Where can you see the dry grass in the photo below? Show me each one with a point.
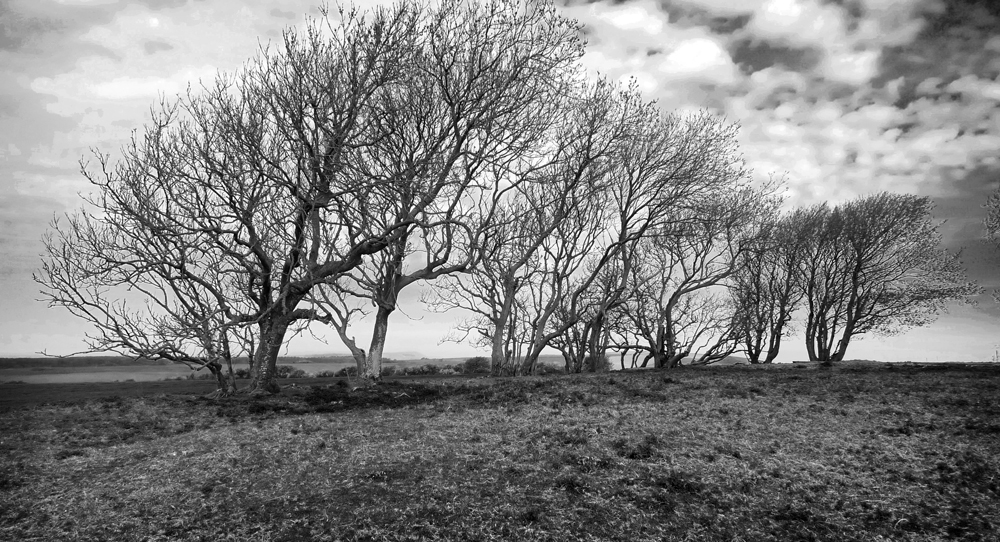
(863, 453)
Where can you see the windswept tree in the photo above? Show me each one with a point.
(875, 265)
(662, 167)
(674, 307)
(542, 228)
(766, 288)
(354, 136)
(97, 265)
(484, 91)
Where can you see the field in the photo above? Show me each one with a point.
(872, 452)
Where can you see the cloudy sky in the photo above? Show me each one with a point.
(844, 97)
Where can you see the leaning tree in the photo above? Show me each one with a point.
(674, 307)
(874, 264)
(482, 102)
(766, 288)
(244, 197)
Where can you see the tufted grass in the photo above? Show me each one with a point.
(854, 453)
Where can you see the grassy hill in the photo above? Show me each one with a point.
(853, 453)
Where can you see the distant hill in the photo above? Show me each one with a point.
(399, 359)
(77, 361)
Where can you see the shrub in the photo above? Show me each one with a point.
(543, 369)
(298, 373)
(347, 371)
(476, 365)
(325, 374)
(242, 373)
(389, 370)
(601, 366)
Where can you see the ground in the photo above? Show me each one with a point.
(874, 452)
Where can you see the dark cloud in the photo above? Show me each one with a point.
(40, 40)
(964, 15)
(30, 26)
(17, 29)
(153, 47)
(752, 54)
(686, 15)
(963, 213)
(727, 25)
(954, 42)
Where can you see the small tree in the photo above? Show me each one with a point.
(674, 308)
(540, 230)
(766, 287)
(875, 264)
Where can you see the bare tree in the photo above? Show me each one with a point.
(875, 264)
(298, 169)
(97, 264)
(553, 198)
(657, 169)
(641, 168)
(483, 94)
(674, 308)
(766, 287)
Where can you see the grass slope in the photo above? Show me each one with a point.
(862, 453)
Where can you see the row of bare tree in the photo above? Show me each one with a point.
(464, 143)
(726, 275)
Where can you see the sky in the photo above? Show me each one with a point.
(842, 97)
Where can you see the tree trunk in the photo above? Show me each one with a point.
(497, 356)
(597, 343)
(771, 355)
(527, 367)
(811, 337)
(774, 345)
(373, 365)
(272, 337)
(225, 384)
(838, 355)
(674, 360)
(845, 340)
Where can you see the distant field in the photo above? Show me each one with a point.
(856, 453)
(54, 371)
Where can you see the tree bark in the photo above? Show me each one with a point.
(498, 357)
(272, 337)
(373, 365)
(225, 384)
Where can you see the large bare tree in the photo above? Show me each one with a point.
(352, 137)
(875, 264)
(483, 96)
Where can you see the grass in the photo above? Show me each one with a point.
(864, 453)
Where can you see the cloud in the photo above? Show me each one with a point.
(155, 46)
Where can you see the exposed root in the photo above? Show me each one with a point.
(219, 394)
